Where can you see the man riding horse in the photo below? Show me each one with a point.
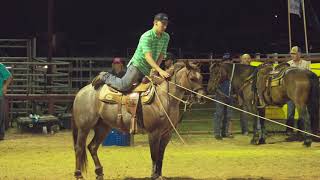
(98, 107)
(151, 50)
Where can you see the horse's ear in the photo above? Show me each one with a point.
(214, 64)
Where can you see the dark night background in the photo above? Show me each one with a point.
(108, 28)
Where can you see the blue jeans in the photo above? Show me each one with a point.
(290, 121)
(2, 119)
(133, 75)
(221, 119)
(244, 121)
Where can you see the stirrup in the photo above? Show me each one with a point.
(261, 107)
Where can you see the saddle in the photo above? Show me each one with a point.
(141, 94)
(274, 79)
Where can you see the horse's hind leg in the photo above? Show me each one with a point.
(100, 132)
(304, 115)
(80, 151)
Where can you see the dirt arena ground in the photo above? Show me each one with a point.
(41, 157)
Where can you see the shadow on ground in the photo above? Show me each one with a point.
(190, 178)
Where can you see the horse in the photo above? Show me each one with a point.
(300, 86)
(91, 113)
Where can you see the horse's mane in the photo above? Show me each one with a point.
(178, 65)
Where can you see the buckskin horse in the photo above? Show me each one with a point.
(300, 86)
(89, 112)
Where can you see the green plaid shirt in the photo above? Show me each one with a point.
(149, 42)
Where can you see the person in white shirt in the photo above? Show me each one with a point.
(298, 62)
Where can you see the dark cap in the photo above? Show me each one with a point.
(161, 17)
(117, 60)
(226, 56)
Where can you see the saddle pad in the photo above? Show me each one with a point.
(115, 97)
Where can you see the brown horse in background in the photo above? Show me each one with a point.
(300, 86)
(91, 113)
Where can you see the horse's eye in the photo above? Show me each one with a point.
(193, 79)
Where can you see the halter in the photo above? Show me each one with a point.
(197, 88)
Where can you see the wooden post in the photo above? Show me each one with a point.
(50, 45)
(289, 25)
(305, 27)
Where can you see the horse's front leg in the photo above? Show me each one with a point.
(154, 143)
(263, 136)
(162, 147)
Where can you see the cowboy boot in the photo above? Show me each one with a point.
(99, 80)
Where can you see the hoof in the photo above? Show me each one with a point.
(307, 143)
(160, 178)
(99, 173)
(156, 177)
(78, 175)
(254, 141)
(99, 177)
(262, 141)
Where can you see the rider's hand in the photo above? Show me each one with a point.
(164, 74)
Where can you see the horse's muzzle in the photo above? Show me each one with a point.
(200, 97)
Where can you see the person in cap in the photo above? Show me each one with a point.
(245, 59)
(5, 80)
(222, 115)
(296, 61)
(152, 48)
(118, 68)
(226, 58)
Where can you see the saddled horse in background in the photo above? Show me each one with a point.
(300, 86)
(91, 113)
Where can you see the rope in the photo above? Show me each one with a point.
(169, 119)
(246, 111)
(207, 97)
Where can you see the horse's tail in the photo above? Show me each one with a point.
(313, 103)
(83, 157)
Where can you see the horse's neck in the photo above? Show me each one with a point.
(169, 87)
(240, 74)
